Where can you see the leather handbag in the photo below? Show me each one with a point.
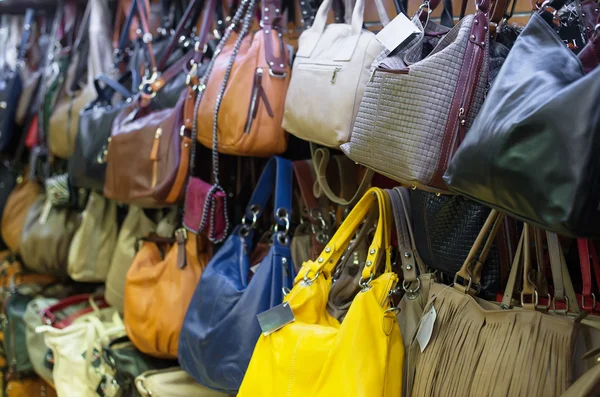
(87, 166)
(33, 387)
(153, 313)
(554, 104)
(418, 106)
(36, 347)
(137, 225)
(90, 56)
(126, 363)
(72, 309)
(220, 327)
(147, 157)
(15, 211)
(11, 86)
(239, 109)
(331, 67)
(77, 349)
(46, 237)
(482, 337)
(93, 244)
(445, 228)
(311, 355)
(171, 382)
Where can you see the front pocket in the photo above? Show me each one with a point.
(322, 67)
(258, 93)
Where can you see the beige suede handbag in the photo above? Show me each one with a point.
(94, 241)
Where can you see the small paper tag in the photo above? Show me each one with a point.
(275, 318)
(399, 30)
(426, 328)
(254, 268)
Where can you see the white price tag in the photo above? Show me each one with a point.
(399, 30)
(426, 328)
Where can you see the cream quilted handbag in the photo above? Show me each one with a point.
(331, 68)
(417, 109)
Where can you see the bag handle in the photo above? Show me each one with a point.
(112, 86)
(563, 286)
(276, 179)
(124, 36)
(321, 227)
(336, 247)
(321, 158)
(48, 317)
(408, 254)
(588, 256)
(29, 15)
(472, 266)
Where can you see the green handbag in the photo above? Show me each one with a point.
(126, 362)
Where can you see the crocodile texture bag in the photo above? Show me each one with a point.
(416, 110)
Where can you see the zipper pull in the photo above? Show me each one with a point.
(154, 151)
(372, 75)
(181, 237)
(335, 72)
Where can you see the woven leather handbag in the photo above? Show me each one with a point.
(311, 355)
(445, 228)
(240, 106)
(417, 109)
(499, 168)
(220, 327)
(331, 67)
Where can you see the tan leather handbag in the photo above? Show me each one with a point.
(172, 382)
(17, 206)
(47, 236)
(95, 33)
(94, 241)
(245, 88)
(34, 387)
(158, 290)
(137, 224)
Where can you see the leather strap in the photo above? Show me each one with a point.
(276, 179)
(512, 278)
(555, 265)
(180, 238)
(586, 268)
(124, 37)
(271, 19)
(472, 266)
(146, 33)
(541, 281)
(498, 10)
(48, 315)
(111, 87)
(400, 199)
(304, 172)
(29, 15)
(320, 157)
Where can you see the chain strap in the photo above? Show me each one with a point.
(245, 10)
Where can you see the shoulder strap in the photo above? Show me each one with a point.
(29, 15)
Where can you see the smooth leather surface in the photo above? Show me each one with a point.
(266, 137)
(14, 333)
(142, 167)
(36, 347)
(158, 292)
(332, 68)
(8, 181)
(220, 327)
(314, 354)
(172, 382)
(45, 246)
(127, 363)
(94, 242)
(135, 226)
(198, 214)
(534, 110)
(21, 198)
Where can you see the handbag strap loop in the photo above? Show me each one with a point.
(276, 178)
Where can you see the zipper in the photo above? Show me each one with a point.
(335, 72)
(258, 93)
(334, 69)
(154, 155)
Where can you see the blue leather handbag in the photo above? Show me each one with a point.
(220, 327)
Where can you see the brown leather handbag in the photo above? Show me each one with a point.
(148, 156)
(159, 289)
(246, 88)
(17, 206)
(34, 387)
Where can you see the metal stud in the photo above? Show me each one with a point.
(281, 65)
(283, 261)
(485, 28)
(372, 251)
(483, 43)
(472, 37)
(408, 267)
(407, 254)
(328, 250)
(271, 63)
(369, 263)
(320, 260)
(477, 22)
(463, 122)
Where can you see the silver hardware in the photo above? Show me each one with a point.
(407, 254)
(408, 267)
(308, 281)
(366, 285)
(283, 261)
(335, 72)
(327, 250)
(372, 251)
(320, 260)
(369, 263)
(472, 37)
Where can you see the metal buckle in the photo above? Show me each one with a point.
(535, 299)
(593, 302)
(308, 281)
(277, 76)
(365, 285)
(469, 285)
(563, 311)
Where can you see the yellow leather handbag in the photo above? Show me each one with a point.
(315, 355)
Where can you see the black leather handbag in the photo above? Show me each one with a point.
(87, 165)
(11, 87)
(533, 149)
(445, 229)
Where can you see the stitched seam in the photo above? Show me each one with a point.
(290, 382)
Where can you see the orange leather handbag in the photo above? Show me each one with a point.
(34, 387)
(158, 290)
(246, 89)
(17, 206)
